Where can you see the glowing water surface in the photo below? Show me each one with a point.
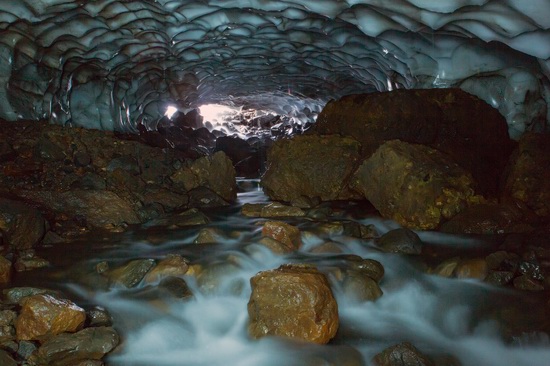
(442, 317)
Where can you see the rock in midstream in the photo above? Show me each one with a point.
(293, 301)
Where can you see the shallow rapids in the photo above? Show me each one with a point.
(448, 319)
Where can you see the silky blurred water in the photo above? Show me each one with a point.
(442, 317)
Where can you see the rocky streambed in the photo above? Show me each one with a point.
(386, 248)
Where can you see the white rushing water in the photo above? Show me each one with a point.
(439, 316)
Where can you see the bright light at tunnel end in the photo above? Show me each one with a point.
(170, 111)
(212, 112)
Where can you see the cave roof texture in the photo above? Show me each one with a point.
(111, 64)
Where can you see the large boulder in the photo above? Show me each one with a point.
(293, 301)
(311, 166)
(21, 225)
(450, 120)
(528, 175)
(215, 172)
(417, 186)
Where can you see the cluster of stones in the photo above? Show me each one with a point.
(42, 327)
(57, 183)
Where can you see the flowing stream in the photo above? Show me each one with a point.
(465, 320)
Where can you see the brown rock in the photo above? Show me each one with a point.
(402, 354)
(414, 185)
(5, 271)
(400, 240)
(311, 166)
(215, 172)
(6, 359)
(99, 208)
(72, 349)
(488, 218)
(447, 268)
(172, 265)
(528, 176)
(43, 316)
(275, 246)
(358, 286)
(22, 225)
(472, 268)
(287, 234)
(131, 274)
(461, 125)
(293, 301)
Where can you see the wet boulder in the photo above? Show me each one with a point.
(71, 349)
(401, 240)
(22, 226)
(528, 175)
(214, 172)
(284, 233)
(311, 166)
(293, 301)
(172, 265)
(43, 316)
(452, 121)
(417, 186)
(131, 274)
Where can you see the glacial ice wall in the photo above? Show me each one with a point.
(112, 64)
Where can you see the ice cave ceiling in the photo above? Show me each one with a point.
(115, 63)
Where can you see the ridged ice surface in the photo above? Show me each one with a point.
(114, 63)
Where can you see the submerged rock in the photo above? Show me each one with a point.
(402, 240)
(70, 349)
(293, 301)
(415, 185)
(402, 354)
(131, 274)
(311, 166)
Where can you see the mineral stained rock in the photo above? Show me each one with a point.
(293, 301)
(449, 120)
(311, 166)
(415, 185)
(43, 316)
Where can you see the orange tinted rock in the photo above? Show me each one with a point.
(293, 301)
(172, 265)
(311, 166)
(287, 234)
(5, 271)
(43, 316)
(472, 268)
(415, 185)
